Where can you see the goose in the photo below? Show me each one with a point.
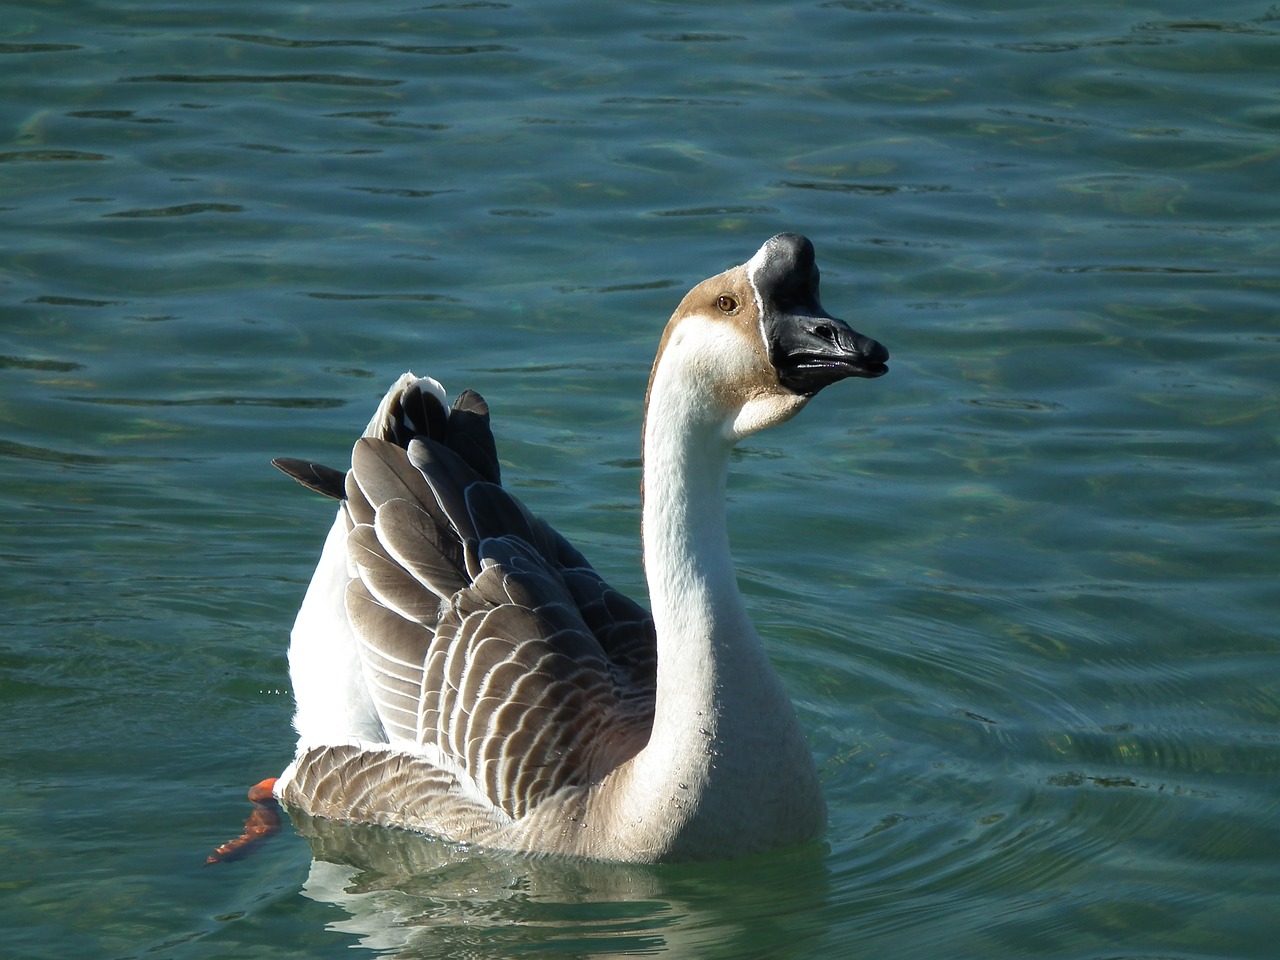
(460, 670)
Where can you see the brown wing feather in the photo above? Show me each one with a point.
(483, 634)
(387, 787)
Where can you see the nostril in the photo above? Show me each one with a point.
(826, 332)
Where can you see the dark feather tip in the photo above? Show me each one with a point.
(314, 476)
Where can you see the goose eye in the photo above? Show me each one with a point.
(727, 304)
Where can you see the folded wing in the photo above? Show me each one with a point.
(491, 649)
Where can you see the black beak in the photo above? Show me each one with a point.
(814, 350)
(809, 348)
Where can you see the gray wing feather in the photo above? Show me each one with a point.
(410, 535)
(389, 788)
(313, 476)
(467, 433)
(393, 665)
(484, 636)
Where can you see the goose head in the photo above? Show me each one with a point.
(747, 349)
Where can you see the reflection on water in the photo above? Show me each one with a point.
(410, 896)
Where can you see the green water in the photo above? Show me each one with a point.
(1023, 589)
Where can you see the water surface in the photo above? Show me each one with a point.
(1023, 589)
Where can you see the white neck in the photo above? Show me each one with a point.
(726, 760)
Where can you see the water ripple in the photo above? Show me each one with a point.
(444, 50)
(323, 79)
(284, 403)
(870, 189)
(178, 210)
(723, 211)
(125, 116)
(31, 363)
(7, 48)
(51, 156)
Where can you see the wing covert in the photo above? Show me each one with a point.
(486, 640)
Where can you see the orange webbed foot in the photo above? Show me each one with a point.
(262, 822)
